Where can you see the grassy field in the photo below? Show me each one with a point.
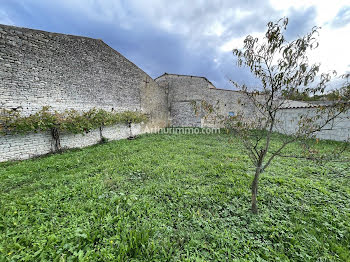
(170, 198)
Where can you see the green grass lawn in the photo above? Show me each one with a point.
(170, 198)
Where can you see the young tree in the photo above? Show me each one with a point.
(282, 68)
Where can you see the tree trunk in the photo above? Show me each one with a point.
(100, 129)
(56, 139)
(130, 131)
(255, 190)
(101, 136)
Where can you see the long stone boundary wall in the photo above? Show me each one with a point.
(39, 69)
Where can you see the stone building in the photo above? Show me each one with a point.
(184, 90)
(39, 69)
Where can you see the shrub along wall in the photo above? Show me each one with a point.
(19, 147)
(51, 131)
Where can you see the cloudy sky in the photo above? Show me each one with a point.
(192, 37)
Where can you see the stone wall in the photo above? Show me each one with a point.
(69, 72)
(338, 130)
(19, 147)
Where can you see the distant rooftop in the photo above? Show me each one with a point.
(206, 79)
(166, 74)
